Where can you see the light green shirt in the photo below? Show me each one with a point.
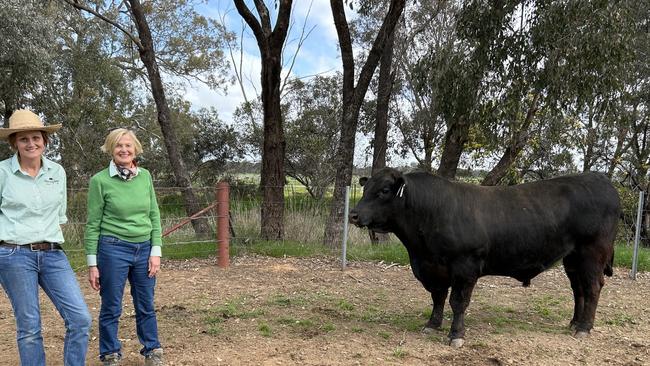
(32, 209)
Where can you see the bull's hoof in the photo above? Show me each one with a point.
(581, 334)
(428, 330)
(456, 342)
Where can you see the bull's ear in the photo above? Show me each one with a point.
(363, 181)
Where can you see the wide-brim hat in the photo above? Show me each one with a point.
(26, 120)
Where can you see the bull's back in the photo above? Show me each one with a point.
(522, 230)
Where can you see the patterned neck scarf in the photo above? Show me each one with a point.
(127, 173)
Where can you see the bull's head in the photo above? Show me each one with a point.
(378, 205)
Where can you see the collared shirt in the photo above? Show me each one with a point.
(112, 170)
(32, 209)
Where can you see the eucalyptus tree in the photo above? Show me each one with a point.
(353, 97)
(375, 113)
(270, 41)
(589, 78)
(205, 140)
(170, 37)
(312, 126)
(480, 27)
(27, 44)
(86, 92)
(215, 144)
(423, 54)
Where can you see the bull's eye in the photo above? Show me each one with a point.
(385, 190)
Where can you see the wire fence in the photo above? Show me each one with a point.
(303, 218)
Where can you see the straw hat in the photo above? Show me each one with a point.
(25, 120)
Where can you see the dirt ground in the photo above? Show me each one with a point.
(270, 311)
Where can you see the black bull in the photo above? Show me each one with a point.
(456, 233)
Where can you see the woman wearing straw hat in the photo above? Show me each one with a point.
(32, 210)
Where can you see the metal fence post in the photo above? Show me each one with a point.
(345, 227)
(223, 224)
(637, 236)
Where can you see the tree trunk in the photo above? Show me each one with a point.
(270, 43)
(455, 139)
(618, 152)
(385, 88)
(272, 179)
(148, 57)
(520, 139)
(461, 119)
(352, 100)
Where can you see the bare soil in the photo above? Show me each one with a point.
(270, 311)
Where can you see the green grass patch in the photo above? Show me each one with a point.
(549, 307)
(408, 321)
(399, 353)
(235, 309)
(384, 335)
(287, 301)
(265, 329)
(213, 324)
(329, 327)
(619, 320)
(280, 249)
(391, 252)
(345, 305)
(623, 257)
(544, 316)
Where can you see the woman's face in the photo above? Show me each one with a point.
(124, 151)
(30, 144)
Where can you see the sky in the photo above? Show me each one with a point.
(318, 54)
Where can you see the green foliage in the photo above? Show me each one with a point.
(27, 49)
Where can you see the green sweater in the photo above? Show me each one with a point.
(124, 209)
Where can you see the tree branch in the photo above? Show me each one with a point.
(76, 4)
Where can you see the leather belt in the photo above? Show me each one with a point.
(34, 247)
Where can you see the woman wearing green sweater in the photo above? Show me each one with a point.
(123, 240)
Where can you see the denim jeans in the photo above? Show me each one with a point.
(21, 273)
(117, 261)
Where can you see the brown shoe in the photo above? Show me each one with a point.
(155, 358)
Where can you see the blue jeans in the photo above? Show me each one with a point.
(21, 272)
(118, 260)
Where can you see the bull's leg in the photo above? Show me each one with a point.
(438, 295)
(460, 296)
(578, 297)
(586, 273)
(592, 281)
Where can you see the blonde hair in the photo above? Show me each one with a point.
(115, 136)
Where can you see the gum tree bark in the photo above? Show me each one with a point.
(353, 97)
(270, 42)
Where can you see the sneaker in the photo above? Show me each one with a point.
(111, 360)
(155, 358)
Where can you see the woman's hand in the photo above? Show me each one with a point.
(154, 266)
(93, 277)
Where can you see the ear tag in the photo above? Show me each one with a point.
(400, 191)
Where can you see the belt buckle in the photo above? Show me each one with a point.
(33, 245)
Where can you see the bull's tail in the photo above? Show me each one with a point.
(609, 267)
